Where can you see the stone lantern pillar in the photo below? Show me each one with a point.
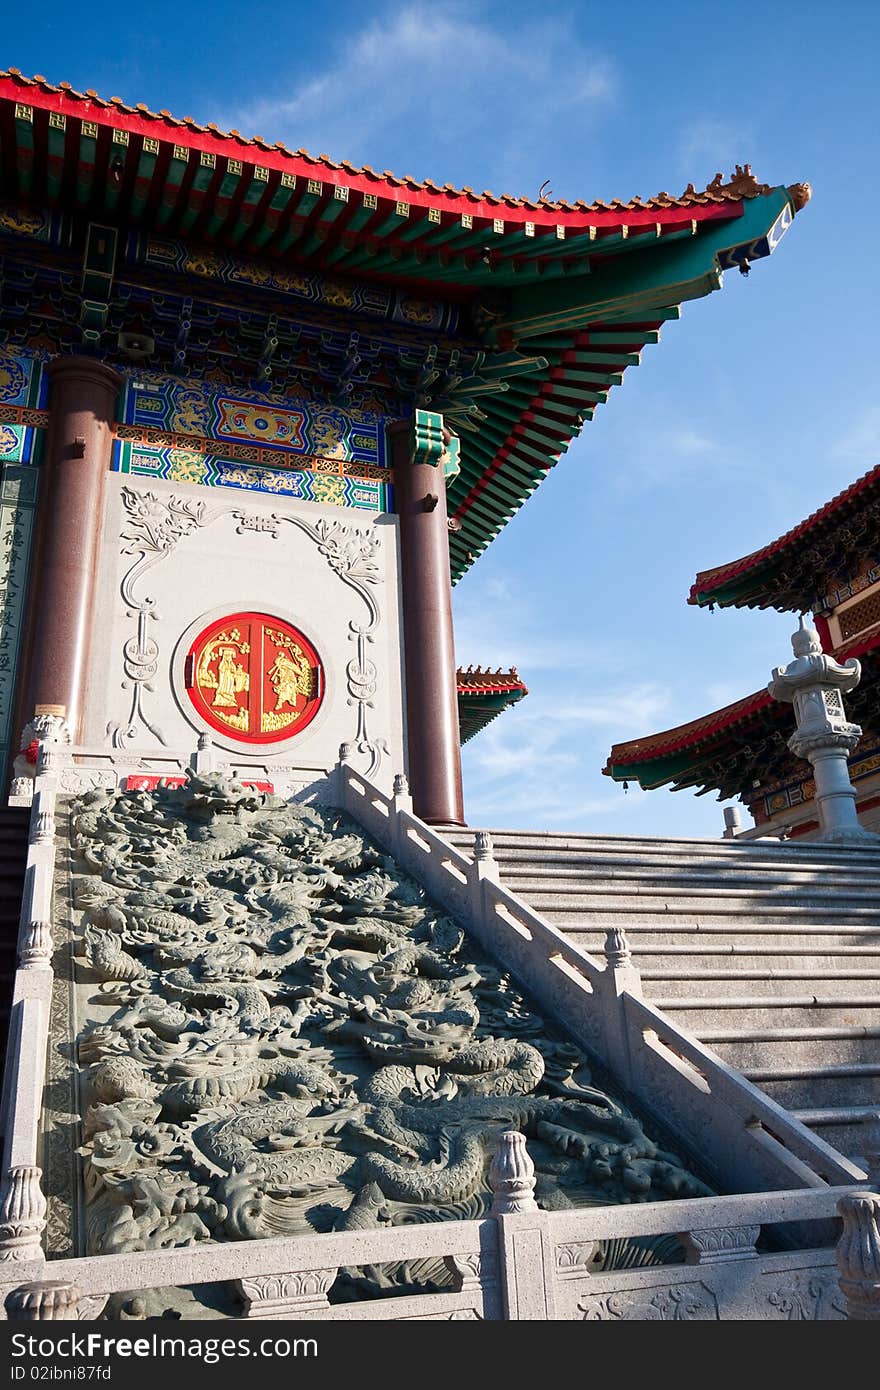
(814, 684)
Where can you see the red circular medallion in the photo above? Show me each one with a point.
(255, 677)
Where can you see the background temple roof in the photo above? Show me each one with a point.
(743, 744)
(792, 571)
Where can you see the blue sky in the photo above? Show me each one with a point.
(755, 408)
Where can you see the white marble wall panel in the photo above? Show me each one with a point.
(176, 556)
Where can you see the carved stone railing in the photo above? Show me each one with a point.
(84, 767)
(750, 1140)
(22, 1203)
(517, 1264)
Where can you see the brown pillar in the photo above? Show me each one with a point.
(429, 652)
(62, 594)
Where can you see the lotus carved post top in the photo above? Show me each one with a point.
(286, 1036)
(814, 683)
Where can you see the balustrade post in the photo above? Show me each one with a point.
(858, 1255)
(43, 1302)
(620, 977)
(484, 868)
(524, 1243)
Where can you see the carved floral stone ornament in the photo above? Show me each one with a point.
(281, 1034)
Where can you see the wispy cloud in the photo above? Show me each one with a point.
(444, 68)
(538, 764)
(497, 623)
(861, 441)
(662, 454)
(710, 145)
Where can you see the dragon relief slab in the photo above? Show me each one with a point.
(278, 1033)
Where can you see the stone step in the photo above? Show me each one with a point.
(752, 955)
(696, 935)
(843, 1127)
(678, 987)
(702, 906)
(713, 881)
(744, 1013)
(762, 1048)
(745, 963)
(538, 861)
(768, 952)
(542, 849)
(653, 843)
(591, 867)
(857, 1083)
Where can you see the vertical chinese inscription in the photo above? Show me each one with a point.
(17, 500)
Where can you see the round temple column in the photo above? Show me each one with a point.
(429, 651)
(82, 401)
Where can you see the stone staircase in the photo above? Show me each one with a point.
(768, 952)
(14, 822)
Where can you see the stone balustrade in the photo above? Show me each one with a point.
(749, 1139)
(519, 1264)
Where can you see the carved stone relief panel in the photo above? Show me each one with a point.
(277, 1032)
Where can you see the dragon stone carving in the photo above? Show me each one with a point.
(285, 1035)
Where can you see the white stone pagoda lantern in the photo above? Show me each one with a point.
(814, 683)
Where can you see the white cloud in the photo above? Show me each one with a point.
(444, 68)
(710, 145)
(861, 442)
(662, 454)
(538, 763)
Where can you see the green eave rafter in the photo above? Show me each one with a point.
(589, 328)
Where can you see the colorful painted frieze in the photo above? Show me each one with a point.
(286, 427)
(210, 470)
(306, 286)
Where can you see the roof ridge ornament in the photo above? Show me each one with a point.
(741, 184)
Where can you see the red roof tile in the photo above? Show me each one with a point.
(140, 119)
(476, 681)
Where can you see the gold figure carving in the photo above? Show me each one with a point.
(290, 676)
(231, 678)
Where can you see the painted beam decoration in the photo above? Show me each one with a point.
(185, 431)
(306, 287)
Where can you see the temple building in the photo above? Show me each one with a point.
(287, 1038)
(195, 324)
(827, 565)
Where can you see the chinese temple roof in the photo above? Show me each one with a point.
(791, 572)
(483, 695)
(547, 303)
(740, 746)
